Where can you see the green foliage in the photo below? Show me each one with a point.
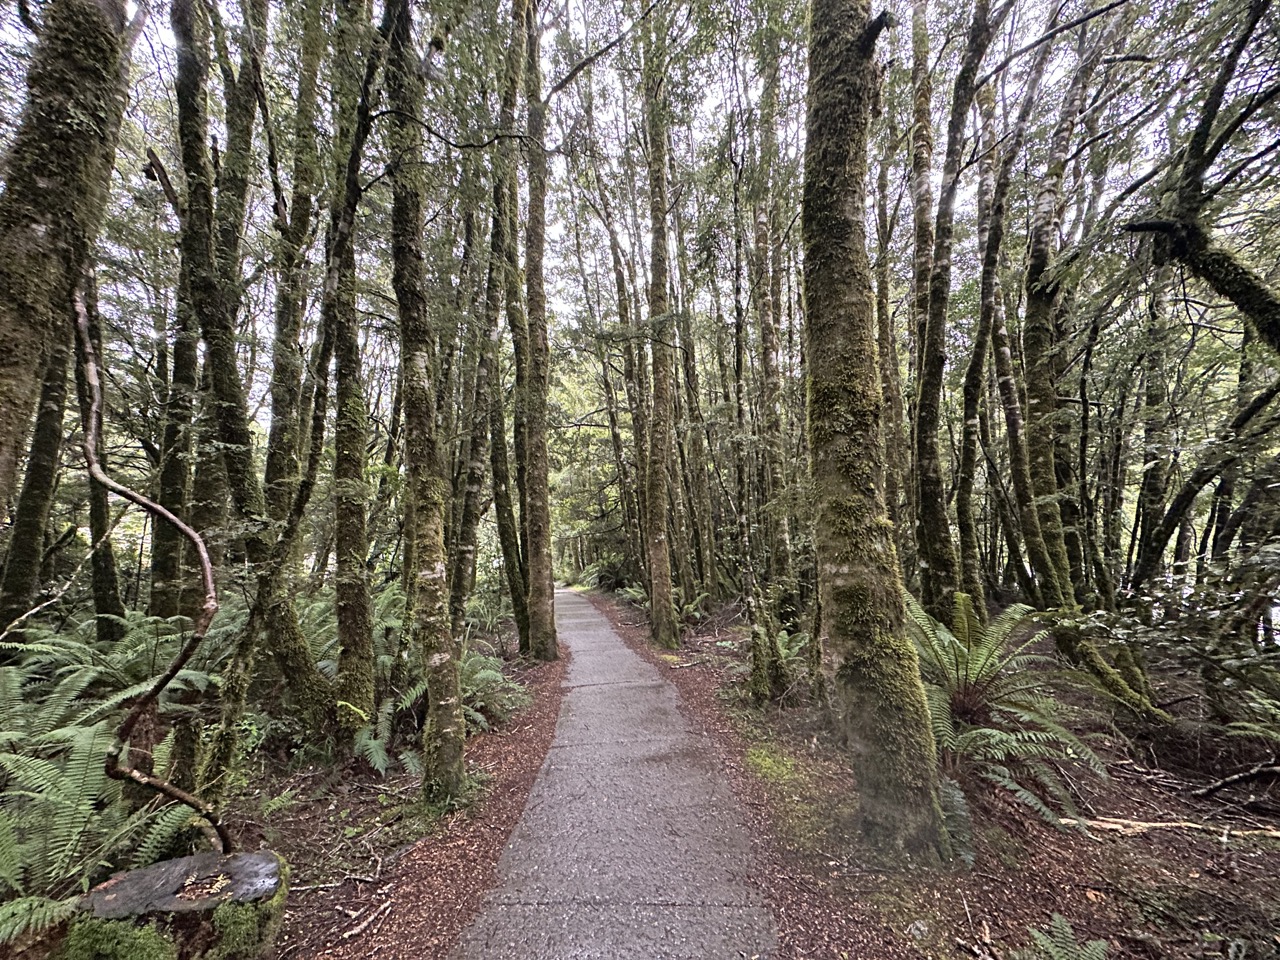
(238, 931)
(488, 607)
(94, 939)
(489, 696)
(770, 763)
(688, 613)
(607, 575)
(993, 718)
(1059, 943)
(635, 595)
(64, 824)
(792, 647)
(32, 915)
(958, 819)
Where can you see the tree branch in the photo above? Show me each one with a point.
(117, 767)
(1045, 38)
(591, 58)
(157, 170)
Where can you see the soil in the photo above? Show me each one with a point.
(364, 887)
(363, 884)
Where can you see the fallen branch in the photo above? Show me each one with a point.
(332, 884)
(1135, 828)
(1268, 768)
(364, 924)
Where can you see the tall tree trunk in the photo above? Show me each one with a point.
(107, 605)
(505, 516)
(975, 372)
(285, 441)
(1038, 336)
(167, 542)
(662, 614)
(859, 582)
(786, 606)
(443, 771)
(933, 528)
(897, 455)
(20, 583)
(354, 689)
(57, 173)
(537, 515)
(998, 166)
(487, 379)
(1155, 412)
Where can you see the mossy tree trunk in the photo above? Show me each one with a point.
(997, 177)
(480, 452)
(354, 691)
(57, 173)
(284, 444)
(20, 584)
(1184, 236)
(897, 456)
(1155, 412)
(662, 614)
(767, 244)
(939, 576)
(537, 517)
(444, 730)
(1039, 335)
(859, 581)
(971, 578)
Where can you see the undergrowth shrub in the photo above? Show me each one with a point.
(64, 824)
(994, 718)
(489, 696)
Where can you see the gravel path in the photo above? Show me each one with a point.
(631, 844)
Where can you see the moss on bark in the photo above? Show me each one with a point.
(859, 580)
(57, 174)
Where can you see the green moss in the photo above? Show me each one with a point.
(771, 764)
(246, 931)
(94, 939)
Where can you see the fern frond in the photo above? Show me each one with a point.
(10, 856)
(30, 915)
(1001, 777)
(372, 749)
(160, 830)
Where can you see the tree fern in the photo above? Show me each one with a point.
(993, 720)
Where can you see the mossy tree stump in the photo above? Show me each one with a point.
(214, 906)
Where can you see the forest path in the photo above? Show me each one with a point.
(631, 844)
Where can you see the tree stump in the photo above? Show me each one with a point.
(213, 906)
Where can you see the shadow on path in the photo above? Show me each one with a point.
(631, 844)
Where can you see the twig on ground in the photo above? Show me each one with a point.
(364, 925)
(1268, 768)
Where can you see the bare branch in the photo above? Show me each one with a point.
(1045, 38)
(117, 767)
(157, 170)
(591, 58)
